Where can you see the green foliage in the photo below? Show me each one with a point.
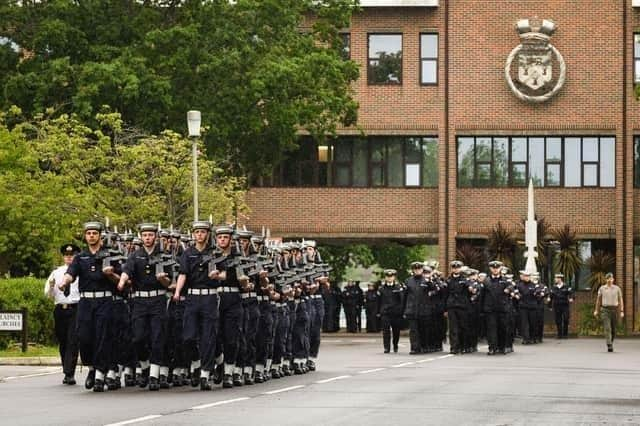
(387, 70)
(341, 257)
(501, 245)
(56, 173)
(399, 257)
(18, 293)
(599, 264)
(567, 259)
(588, 325)
(259, 70)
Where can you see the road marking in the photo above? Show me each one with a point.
(371, 371)
(32, 375)
(425, 360)
(282, 390)
(445, 356)
(215, 404)
(138, 420)
(332, 379)
(404, 364)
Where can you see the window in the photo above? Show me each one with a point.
(488, 161)
(636, 162)
(385, 59)
(345, 50)
(379, 161)
(636, 57)
(429, 59)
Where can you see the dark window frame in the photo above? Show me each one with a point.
(560, 163)
(369, 59)
(436, 60)
(636, 58)
(347, 35)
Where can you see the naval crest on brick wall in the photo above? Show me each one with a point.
(539, 70)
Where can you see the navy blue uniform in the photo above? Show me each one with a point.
(201, 308)
(149, 313)
(390, 305)
(95, 309)
(560, 296)
(458, 305)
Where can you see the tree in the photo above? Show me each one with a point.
(501, 245)
(259, 70)
(56, 173)
(567, 259)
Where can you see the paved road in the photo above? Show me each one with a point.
(558, 382)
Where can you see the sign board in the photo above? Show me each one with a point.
(15, 321)
(10, 321)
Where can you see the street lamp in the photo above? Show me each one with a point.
(193, 123)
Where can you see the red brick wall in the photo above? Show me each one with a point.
(589, 211)
(344, 211)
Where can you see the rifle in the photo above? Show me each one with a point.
(111, 254)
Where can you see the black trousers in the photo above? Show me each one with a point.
(300, 341)
(527, 324)
(230, 323)
(562, 320)
(391, 325)
(327, 323)
(200, 324)
(373, 321)
(458, 328)
(539, 324)
(280, 338)
(264, 336)
(419, 333)
(315, 327)
(289, 340)
(350, 315)
(94, 332)
(65, 329)
(175, 355)
(496, 330)
(122, 335)
(250, 318)
(149, 319)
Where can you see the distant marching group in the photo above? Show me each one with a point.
(471, 304)
(163, 309)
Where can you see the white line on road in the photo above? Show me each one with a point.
(445, 356)
(214, 404)
(283, 390)
(32, 375)
(404, 364)
(425, 360)
(332, 379)
(138, 420)
(371, 371)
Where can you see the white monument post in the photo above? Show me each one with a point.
(531, 233)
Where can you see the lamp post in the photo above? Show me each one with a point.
(193, 123)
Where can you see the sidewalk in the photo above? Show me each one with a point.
(35, 360)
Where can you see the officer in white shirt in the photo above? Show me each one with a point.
(64, 313)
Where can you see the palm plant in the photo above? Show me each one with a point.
(567, 259)
(471, 256)
(599, 263)
(501, 245)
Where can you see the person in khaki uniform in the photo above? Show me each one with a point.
(610, 300)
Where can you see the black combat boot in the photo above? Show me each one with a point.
(204, 384)
(98, 386)
(111, 384)
(237, 380)
(129, 381)
(143, 378)
(259, 377)
(195, 378)
(297, 369)
(154, 385)
(90, 380)
(227, 381)
(218, 373)
(164, 384)
(311, 365)
(286, 370)
(176, 380)
(248, 380)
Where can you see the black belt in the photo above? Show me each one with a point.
(610, 307)
(66, 305)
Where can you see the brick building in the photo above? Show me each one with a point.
(444, 148)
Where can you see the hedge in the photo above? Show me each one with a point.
(18, 293)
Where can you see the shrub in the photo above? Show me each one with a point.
(18, 293)
(588, 325)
